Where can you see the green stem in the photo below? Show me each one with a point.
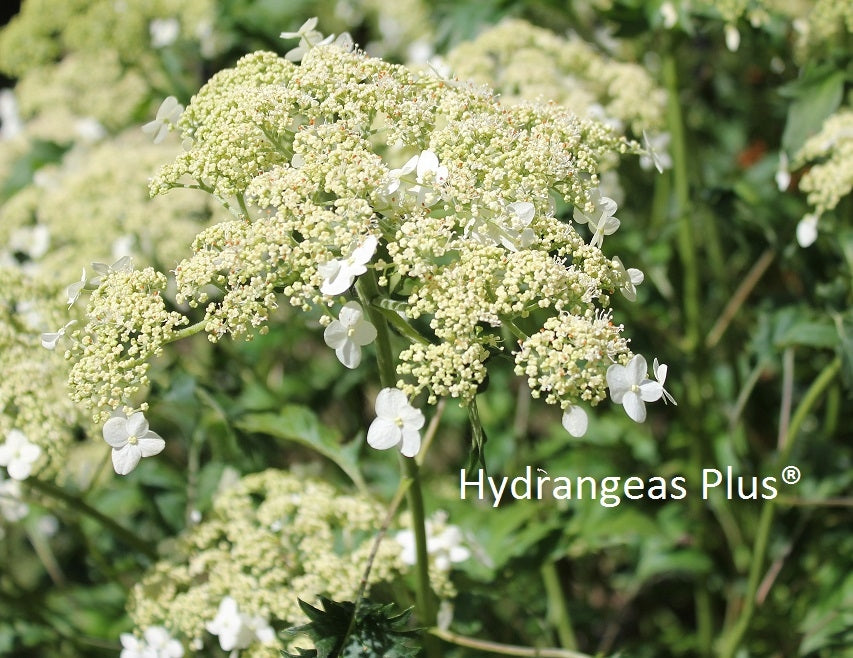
(186, 332)
(558, 611)
(686, 243)
(367, 289)
(504, 649)
(765, 521)
(79, 505)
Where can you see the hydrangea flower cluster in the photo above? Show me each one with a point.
(271, 538)
(525, 62)
(435, 194)
(831, 175)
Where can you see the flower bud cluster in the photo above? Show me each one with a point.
(831, 153)
(270, 539)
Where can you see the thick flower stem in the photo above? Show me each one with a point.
(765, 522)
(368, 290)
(78, 505)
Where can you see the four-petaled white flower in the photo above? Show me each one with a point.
(397, 422)
(131, 440)
(237, 630)
(156, 642)
(807, 230)
(601, 220)
(164, 32)
(628, 279)
(168, 113)
(18, 455)
(630, 387)
(308, 39)
(339, 274)
(50, 339)
(73, 291)
(446, 547)
(575, 421)
(349, 333)
(428, 175)
(659, 370)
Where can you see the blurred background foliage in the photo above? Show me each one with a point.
(757, 331)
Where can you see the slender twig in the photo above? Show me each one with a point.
(558, 611)
(787, 396)
(739, 297)
(504, 649)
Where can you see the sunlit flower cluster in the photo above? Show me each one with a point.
(270, 538)
(349, 175)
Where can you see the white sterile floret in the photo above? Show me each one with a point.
(397, 422)
(73, 291)
(732, 37)
(237, 630)
(339, 274)
(131, 440)
(349, 333)
(656, 152)
(428, 175)
(807, 230)
(575, 420)
(601, 221)
(308, 39)
(156, 642)
(164, 32)
(18, 455)
(445, 543)
(628, 279)
(630, 387)
(123, 264)
(50, 339)
(660, 370)
(169, 112)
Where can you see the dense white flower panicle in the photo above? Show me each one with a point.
(627, 279)
(131, 440)
(156, 642)
(396, 423)
(349, 333)
(168, 114)
(601, 220)
(339, 274)
(575, 420)
(630, 387)
(237, 630)
(445, 543)
(18, 455)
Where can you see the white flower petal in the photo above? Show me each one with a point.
(383, 434)
(389, 401)
(349, 354)
(335, 335)
(125, 459)
(575, 420)
(364, 333)
(411, 442)
(150, 446)
(136, 424)
(634, 407)
(115, 431)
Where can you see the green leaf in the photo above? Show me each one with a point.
(817, 333)
(816, 95)
(301, 425)
(477, 456)
(376, 633)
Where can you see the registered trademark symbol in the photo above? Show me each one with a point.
(791, 475)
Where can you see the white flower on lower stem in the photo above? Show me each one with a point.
(630, 387)
(445, 543)
(349, 333)
(168, 113)
(339, 274)
(237, 630)
(131, 440)
(575, 420)
(397, 422)
(807, 230)
(601, 221)
(156, 642)
(18, 455)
